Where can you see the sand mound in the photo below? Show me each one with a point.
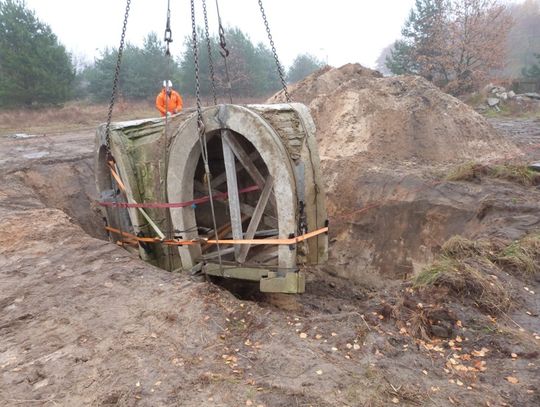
(360, 113)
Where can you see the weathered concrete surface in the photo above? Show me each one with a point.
(159, 162)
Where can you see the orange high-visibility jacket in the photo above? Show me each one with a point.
(174, 104)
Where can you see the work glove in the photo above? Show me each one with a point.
(169, 114)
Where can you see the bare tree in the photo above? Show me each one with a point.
(476, 42)
(453, 43)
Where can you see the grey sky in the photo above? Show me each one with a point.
(340, 31)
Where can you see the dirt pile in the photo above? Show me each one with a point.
(360, 113)
(387, 146)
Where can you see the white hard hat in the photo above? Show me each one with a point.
(167, 84)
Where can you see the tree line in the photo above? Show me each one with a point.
(459, 44)
(37, 70)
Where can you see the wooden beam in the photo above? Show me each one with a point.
(214, 254)
(245, 208)
(222, 178)
(256, 218)
(232, 189)
(248, 164)
(265, 255)
(269, 221)
(222, 232)
(243, 157)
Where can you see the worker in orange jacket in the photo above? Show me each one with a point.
(169, 101)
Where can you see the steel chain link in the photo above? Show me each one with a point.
(224, 52)
(116, 77)
(209, 47)
(168, 32)
(201, 129)
(200, 124)
(278, 65)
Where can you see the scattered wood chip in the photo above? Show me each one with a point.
(395, 400)
(512, 379)
(319, 372)
(303, 335)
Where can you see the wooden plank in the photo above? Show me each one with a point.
(243, 157)
(222, 178)
(256, 218)
(248, 164)
(245, 208)
(222, 252)
(232, 188)
(269, 221)
(265, 255)
(222, 232)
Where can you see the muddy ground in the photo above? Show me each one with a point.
(83, 322)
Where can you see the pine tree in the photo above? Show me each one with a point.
(302, 66)
(35, 69)
(142, 71)
(416, 52)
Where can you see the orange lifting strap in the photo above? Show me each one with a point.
(173, 242)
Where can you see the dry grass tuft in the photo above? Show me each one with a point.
(467, 172)
(470, 278)
(522, 256)
(460, 247)
(520, 174)
(471, 171)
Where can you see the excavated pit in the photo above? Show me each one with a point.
(83, 322)
(69, 187)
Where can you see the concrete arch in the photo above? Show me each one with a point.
(184, 154)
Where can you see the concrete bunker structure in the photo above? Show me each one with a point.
(265, 182)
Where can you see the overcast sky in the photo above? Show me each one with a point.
(339, 31)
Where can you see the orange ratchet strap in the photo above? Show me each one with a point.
(290, 241)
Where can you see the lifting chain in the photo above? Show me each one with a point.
(209, 47)
(224, 52)
(278, 65)
(201, 128)
(116, 77)
(168, 39)
(168, 33)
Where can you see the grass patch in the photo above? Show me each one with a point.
(471, 171)
(469, 278)
(468, 269)
(78, 115)
(520, 174)
(460, 247)
(522, 256)
(472, 269)
(467, 172)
